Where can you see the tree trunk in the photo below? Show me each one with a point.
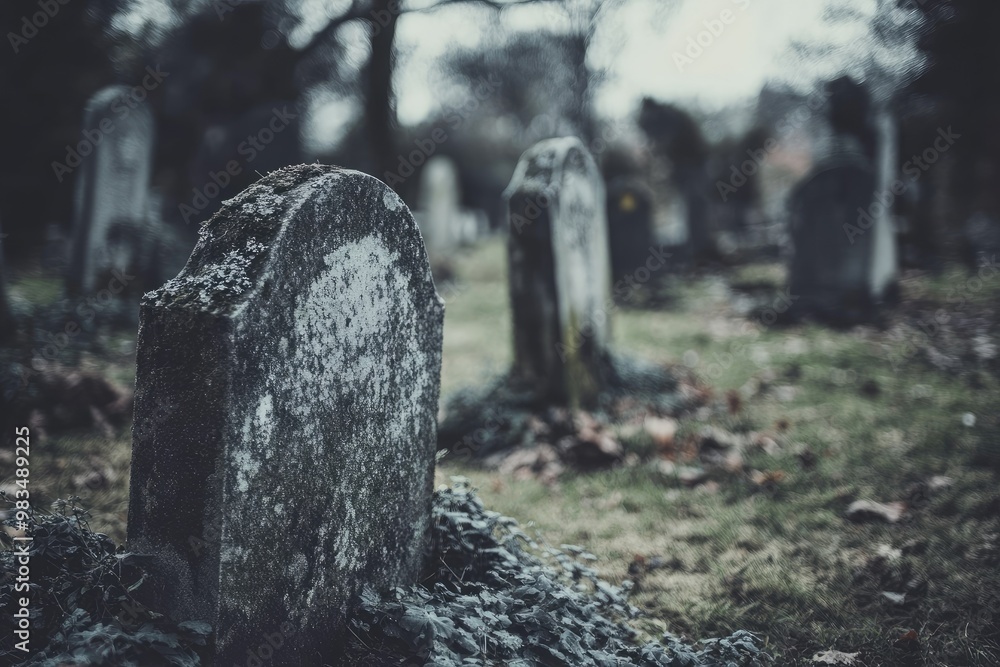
(380, 111)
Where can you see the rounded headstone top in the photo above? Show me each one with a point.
(234, 244)
(544, 164)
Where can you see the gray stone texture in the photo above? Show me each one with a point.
(559, 273)
(286, 396)
(110, 204)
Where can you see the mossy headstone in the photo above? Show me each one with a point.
(109, 210)
(286, 394)
(559, 273)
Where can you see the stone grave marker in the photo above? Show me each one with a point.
(440, 198)
(630, 225)
(833, 266)
(111, 189)
(285, 414)
(559, 273)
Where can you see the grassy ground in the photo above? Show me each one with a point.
(855, 414)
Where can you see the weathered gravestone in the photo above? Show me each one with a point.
(111, 188)
(286, 394)
(832, 268)
(559, 273)
(630, 225)
(844, 262)
(440, 198)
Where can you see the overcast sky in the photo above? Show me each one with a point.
(651, 47)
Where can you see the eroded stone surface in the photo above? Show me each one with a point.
(286, 395)
(559, 272)
(111, 189)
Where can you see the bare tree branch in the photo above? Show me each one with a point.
(363, 11)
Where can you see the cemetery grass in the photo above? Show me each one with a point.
(777, 558)
(856, 416)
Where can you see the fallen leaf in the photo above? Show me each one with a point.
(895, 598)
(769, 478)
(733, 401)
(769, 445)
(662, 430)
(832, 657)
(869, 510)
(909, 640)
(939, 483)
(691, 476)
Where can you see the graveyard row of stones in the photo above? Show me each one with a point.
(287, 385)
(117, 230)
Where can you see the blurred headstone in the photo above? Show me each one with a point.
(559, 272)
(110, 201)
(982, 239)
(832, 267)
(440, 198)
(285, 414)
(630, 225)
(55, 252)
(841, 215)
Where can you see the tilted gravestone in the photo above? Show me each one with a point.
(630, 225)
(833, 267)
(111, 188)
(286, 395)
(559, 273)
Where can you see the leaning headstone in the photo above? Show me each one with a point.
(630, 225)
(440, 198)
(559, 273)
(110, 197)
(833, 236)
(286, 394)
